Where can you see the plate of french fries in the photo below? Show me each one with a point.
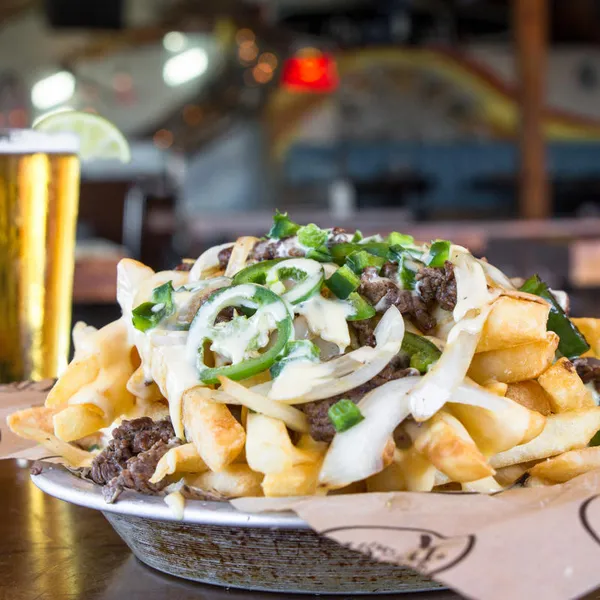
(319, 361)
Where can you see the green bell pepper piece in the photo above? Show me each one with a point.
(249, 296)
(359, 260)
(439, 253)
(423, 353)
(344, 414)
(361, 308)
(572, 342)
(343, 282)
(149, 314)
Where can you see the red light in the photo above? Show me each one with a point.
(310, 74)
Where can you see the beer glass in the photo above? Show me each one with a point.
(39, 197)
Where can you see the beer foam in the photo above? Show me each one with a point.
(28, 141)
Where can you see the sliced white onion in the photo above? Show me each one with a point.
(130, 274)
(207, 260)
(438, 385)
(304, 382)
(496, 275)
(358, 453)
(471, 284)
(292, 417)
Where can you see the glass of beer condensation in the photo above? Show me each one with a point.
(39, 197)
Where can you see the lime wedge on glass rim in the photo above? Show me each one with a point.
(98, 137)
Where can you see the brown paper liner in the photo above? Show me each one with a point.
(516, 544)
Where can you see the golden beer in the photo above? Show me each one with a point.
(39, 197)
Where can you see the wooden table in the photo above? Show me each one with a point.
(51, 550)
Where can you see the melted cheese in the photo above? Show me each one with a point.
(327, 319)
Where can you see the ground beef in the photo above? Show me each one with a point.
(383, 293)
(438, 284)
(129, 439)
(589, 371)
(138, 471)
(321, 428)
(224, 256)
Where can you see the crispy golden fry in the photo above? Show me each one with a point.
(565, 388)
(181, 459)
(218, 437)
(518, 363)
(495, 432)
(82, 333)
(496, 387)
(234, 481)
(391, 479)
(445, 442)
(513, 322)
(531, 395)
(75, 422)
(591, 331)
(487, 485)
(562, 432)
(269, 448)
(299, 480)
(36, 424)
(239, 254)
(508, 475)
(78, 374)
(568, 465)
(535, 482)
(142, 389)
(418, 472)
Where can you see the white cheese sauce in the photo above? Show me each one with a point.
(327, 319)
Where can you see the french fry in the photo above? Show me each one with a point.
(513, 322)
(445, 442)
(36, 424)
(508, 475)
(298, 480)
(239, 254)
(142, 389)
(82, 333)
(232, 481)
(496, 387)
(181, 459)
(591, 331)
(75, 422)
(211, 427)
(565, 388)
(418, 472)
(269, 448)
(78, 374)
(391, 479)
(531, 395)
(562, 432)
(565, 466)
(496, 431)
(517, 363)
(535, 482)
(487, 485)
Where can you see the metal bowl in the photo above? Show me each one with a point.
(217, 544)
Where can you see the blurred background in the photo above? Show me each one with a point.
(474, 120)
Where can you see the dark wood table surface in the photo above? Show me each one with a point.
(52, 550)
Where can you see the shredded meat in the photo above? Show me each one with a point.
(438, 284)
(269, 249)
(138, 471)
(321, 428)
(185, 265)
(365, 331)
(131, 440)
(383, 293)
(589, 371)
(224, 256)
(339, 236)
(389, 270)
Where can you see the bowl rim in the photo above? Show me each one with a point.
(60, 483)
